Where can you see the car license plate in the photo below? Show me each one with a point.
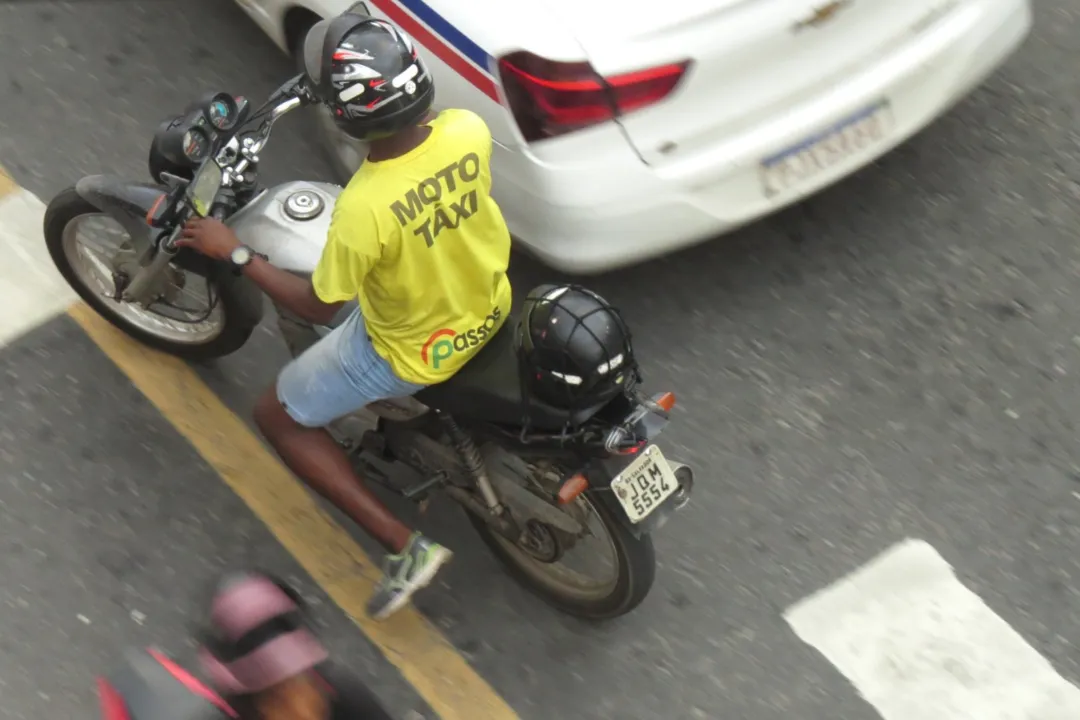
(645, 484)
(851, 136)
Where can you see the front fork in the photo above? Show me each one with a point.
(145, 287)
(139, 208)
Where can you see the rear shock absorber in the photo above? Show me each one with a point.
(473, 461)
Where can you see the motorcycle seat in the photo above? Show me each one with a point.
(489, 389)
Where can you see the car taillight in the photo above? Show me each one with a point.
(550, 98)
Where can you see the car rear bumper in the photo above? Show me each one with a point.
(640, 212)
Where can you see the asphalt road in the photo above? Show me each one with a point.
(897, 357)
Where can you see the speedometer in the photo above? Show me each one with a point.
(196, 145)
(221, 111)
(220, 114)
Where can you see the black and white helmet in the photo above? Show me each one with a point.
(575, 347)
(367, 71)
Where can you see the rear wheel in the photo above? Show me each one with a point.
(539, 563)
(193, 317)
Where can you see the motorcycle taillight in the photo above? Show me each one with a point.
(621, 441)
(112, 703)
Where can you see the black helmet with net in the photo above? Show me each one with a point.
(575, 348)
(367, 71)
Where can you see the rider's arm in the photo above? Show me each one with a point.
(345, 261)
(294, 293)
(352, 249)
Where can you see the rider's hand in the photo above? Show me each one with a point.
(210, 237)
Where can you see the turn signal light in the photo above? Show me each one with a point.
(574, 486)
(152, 216)
(666, 401)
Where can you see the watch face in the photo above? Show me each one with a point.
(241, 256)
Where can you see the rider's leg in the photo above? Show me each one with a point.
(336, 376)
(320, 461)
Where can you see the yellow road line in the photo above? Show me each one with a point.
(423, 656)
(333, 559)
(7, 185)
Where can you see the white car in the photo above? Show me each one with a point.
(626, 130)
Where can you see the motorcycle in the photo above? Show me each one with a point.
(150, 686)
(532, 477)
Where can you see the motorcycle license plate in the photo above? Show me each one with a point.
(645, 484)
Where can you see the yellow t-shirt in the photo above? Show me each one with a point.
(421, 242)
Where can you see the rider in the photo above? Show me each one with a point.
(417, 238)
(262, 655)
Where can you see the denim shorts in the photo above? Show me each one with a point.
(338, 375)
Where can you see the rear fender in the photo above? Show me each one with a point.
(130, 202)
(603, 471)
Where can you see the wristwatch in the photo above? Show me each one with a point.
(242, 256)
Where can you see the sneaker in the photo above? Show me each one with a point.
(406, 573)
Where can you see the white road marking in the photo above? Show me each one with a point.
(918, 645)
(31, 291)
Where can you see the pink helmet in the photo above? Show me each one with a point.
(260, 635)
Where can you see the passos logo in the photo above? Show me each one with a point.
(444, 343)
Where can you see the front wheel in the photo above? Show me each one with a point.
(542, 568)
(91, 250)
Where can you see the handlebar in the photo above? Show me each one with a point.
(242, 151)
(239, 154)
(276, 113)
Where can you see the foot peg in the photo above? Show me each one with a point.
(419, 490)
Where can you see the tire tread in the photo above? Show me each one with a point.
(637, 569)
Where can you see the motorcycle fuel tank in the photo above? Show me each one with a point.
(288, 223)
